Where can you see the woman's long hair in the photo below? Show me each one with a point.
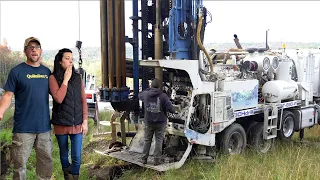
(57, 68)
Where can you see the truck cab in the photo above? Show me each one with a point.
(91, 96)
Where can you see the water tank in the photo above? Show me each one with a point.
(278, 90)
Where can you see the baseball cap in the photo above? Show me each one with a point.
(31, 39)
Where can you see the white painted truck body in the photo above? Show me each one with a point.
(213, 107)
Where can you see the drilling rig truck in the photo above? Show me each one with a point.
(227, 100)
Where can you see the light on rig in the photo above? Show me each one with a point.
(266, 64)
(275, 63)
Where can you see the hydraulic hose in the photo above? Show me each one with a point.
(201, 45)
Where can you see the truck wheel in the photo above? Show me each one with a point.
(233, 139)
(256, 141)
(249, 127)
(287, 126)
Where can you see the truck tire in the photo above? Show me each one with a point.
(232, 140)
(249, 127)
(287, 126)
(256, 141)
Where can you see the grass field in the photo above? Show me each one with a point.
(291, 160)
(285, 161)
(6, 135)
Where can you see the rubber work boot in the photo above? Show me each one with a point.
(66, 173)
(73, 177)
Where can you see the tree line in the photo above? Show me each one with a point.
(8, 60)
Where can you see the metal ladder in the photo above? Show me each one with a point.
(270, 121)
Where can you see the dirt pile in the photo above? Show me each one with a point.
(5, 160)
(108, 172)
(100, 171)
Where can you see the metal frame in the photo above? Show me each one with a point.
(260, 108)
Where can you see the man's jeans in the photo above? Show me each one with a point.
(76, 148)
(22, 144)
(149, 130)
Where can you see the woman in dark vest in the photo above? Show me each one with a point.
(69, 112)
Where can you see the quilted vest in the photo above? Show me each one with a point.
(69, 112)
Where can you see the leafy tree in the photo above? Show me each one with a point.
(8, 60)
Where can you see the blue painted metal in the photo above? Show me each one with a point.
(147, 37)
(105, 95)
(178, 40)
(124, 93)
(182, 15)
(115, 95)
(135, 44)
(183, 19)
(195, 5)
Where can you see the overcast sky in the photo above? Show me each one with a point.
(56, 23)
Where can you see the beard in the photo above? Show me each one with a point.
(34, 59)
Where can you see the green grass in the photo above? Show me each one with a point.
(57, 172)
(87, 158)
(105, 116)
(5, 133)
(6, 136)
(6, 120)
(289, 160)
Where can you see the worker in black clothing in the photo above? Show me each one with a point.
(156, 106)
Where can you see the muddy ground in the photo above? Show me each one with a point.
(102, 172)
(95, 171)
